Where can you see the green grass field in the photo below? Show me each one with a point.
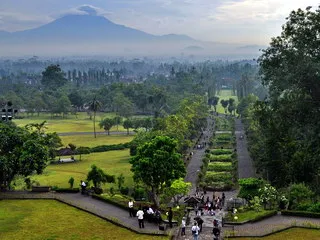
(225, 94)
(71, 123)
(291, 234)
(90, 141)
(112, 162)
(49, 219)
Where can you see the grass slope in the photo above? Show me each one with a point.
(71, 123)
(225, 94)
(49, 219)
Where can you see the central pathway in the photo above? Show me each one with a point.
(195, 163)
(245, 164)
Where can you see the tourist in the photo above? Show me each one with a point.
(195, 231)
(183, 226)
(83, 186)
(140, 214)
(199, 222)
(223, 198)
(131, 210)
(150, 211)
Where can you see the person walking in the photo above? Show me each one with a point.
(140, 214)
(131, 210)
(183, 226)
(83, 187)
(195, 231)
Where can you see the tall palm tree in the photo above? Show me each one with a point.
(94, 106)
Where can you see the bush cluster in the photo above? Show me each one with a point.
(103, 148)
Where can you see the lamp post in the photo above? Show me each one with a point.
(8, 112)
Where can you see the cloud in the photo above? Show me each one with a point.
(13, 21)
(256, 11)
(84, 10)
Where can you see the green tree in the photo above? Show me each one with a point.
(107, 124)
(178, 189)
(157, 164)
(94, 106)
(127, 124)
(224, 104)
(23, 152)
(298, 194)
(117, 121)
(289, 120)
(249, 188)
(98, 176)
(53, 77)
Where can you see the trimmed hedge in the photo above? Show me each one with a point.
(220, 151)
(218, 177)
(67, 190)
(220, 158)
(300, 214)
(103, 148)
(220, 166)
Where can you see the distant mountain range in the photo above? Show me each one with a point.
(92, 34)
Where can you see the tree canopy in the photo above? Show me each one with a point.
(287, 123)
(157, 164)
(22, 152)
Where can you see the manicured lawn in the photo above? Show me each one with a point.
(90, 141)
(291, 234)
(112, 162)
(248, 215)
(71, 123)
(225, 94)
(49, 219)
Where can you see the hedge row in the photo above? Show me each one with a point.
(219, 158)
(220, 166)
(225, 177)
(103, 148)
(300, 214)
(220, 151)
(67, 190)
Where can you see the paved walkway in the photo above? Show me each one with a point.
(89, 204)
(245, 164)
(196, 160)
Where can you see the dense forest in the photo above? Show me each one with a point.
(132, 87)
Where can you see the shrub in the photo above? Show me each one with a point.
(249, 187)
(66, 190)
(300, 214)
(221, 158)
(83, 150)
(217, 177)
(124, 190)
(220, 151)
(309, 207)
(71, 182)
(97, 190)
(220, 166)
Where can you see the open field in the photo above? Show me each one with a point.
(90, 141)
(112, 162)
(49, 219)
(225, 94)
(71, 123)
(291, 234)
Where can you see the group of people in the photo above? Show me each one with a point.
(148, 214)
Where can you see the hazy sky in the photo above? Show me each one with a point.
(244, 21)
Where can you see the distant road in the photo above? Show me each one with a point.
(98, 133)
